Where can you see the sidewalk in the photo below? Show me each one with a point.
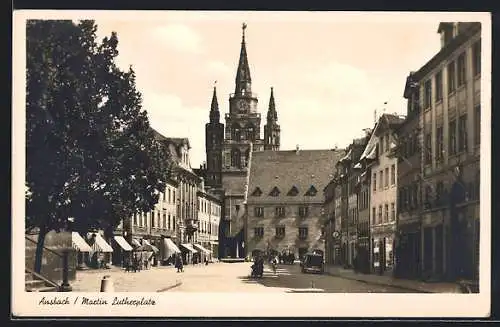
(410, 285)
(156, 279)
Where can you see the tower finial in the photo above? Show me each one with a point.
(243, 28)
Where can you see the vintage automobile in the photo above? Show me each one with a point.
(313, 263)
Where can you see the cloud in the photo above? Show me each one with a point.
(218, 69)
(179, 37)
(170, 116)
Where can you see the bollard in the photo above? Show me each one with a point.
(107, 284)
(312, 284)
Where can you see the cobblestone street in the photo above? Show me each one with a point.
(223, 277)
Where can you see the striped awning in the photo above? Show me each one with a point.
(169, 248)
(79, 243)
(202, 249)
(123, 243)
(188, 247)
(100, 245)
(154, 248)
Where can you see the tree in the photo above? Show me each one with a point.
(91, 153)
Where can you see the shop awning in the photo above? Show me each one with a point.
(135, 242)
(202, 249)
(188, 247)
(79, 243)
(100, 245)
(123, 243)
(169, 248)
(150, 246)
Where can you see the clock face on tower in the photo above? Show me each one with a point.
(242, 105)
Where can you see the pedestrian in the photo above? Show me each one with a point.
(178, 263)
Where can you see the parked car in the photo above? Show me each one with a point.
(313, 262)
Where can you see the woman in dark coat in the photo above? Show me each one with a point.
(178, 263)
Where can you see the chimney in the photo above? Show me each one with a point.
(297, 149)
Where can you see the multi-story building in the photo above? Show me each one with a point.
(362, 188)
(408, 151)
(449, 121)
(349, 178)
(209, 212)
(383, 195)
(331, 241)
(285, 202)
(228, 151)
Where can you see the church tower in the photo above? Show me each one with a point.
(214, 139)
(272, 129)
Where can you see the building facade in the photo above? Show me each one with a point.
(378, 159)
(408, 149)
(449, 121)
(228, 149)
(209, 213)
(285, 200)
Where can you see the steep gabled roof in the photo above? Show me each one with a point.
(287, 169)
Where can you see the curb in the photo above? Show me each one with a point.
(177, 284)
(382, 284)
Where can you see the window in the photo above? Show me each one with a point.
(173, 223)
(258, 232)
(453, 138)
(427, 94)
(168, 221)
(477, 125)
(164, 196)
(381, 146)
(152, 219)
(393, 212)
(381, 180)
(173, 198)
(414, 190)
(428, 149)
(303, 211)
(293, 191)
(476, 57)
(387, 141)
(428, 191)
(439, 86)
(386, 213)
(451, 77)
(280, 231)
(462, 133)
(393, 174)
(374, 215)
(257, 192)
(387, 177)
(312, 191)
(461, 70)
(235, 158)
(280, 211)
(303, 232)
(274, 192)
(259, 211)
(439, 143)
(374, 182)
(379, 221)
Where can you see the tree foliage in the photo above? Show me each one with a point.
(91, 153)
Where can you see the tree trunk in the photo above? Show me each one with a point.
(39, 249)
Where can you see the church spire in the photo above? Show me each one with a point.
(243, 79)
(214, 107)
(272, 115)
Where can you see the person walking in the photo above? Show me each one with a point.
(178, 263)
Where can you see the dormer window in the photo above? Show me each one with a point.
(257, 192)
(275, 192)
(312, 191)
(293, 191)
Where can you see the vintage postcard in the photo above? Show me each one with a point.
(251, 164)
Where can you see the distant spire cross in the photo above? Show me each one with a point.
(243, 27)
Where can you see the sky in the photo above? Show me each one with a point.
(330, 71)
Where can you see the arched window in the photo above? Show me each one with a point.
(250, 132)
(235, 158)
(236, 132)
